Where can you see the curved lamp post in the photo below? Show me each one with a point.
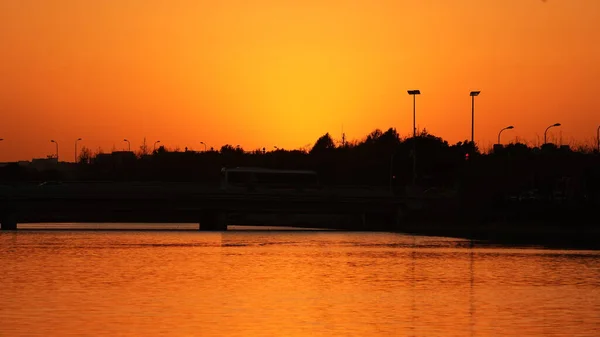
(546, 131)
(78, 139)
(55, 142)
(414, 94)
(203, 143)
(128, 144)
(156, 142)
(473, 94)
(510, 127)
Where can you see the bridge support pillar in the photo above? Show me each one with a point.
(8, 222)
(213, 220)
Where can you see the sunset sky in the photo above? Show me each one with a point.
(267, 73)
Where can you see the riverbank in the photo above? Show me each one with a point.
(515, 234)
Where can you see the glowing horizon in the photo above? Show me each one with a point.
(282, 73)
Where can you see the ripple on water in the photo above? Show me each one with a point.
(132, 283)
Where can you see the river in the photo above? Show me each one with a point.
(289, 283)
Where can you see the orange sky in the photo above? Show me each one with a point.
(267, 73)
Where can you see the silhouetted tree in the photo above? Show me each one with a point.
(161, 149)
(85, 155)
(322, 144)
(229, 149)
(144, 151)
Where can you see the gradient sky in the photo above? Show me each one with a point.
(267, 73)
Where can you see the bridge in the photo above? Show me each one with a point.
(210, 207)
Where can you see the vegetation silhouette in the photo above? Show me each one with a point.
(515, 183)
(511, 169)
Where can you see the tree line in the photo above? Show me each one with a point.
(380, 159)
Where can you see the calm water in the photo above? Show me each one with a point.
(289, 283)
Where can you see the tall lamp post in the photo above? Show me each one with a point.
(506, 128)
(473, 94)
(55, 142)
(546, 131)
(128, 144)
(414, 94)
(156, 142)
(78, 139)
(203, 143)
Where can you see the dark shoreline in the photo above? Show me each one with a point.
(555, 238)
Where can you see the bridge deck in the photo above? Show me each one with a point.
(142, 202)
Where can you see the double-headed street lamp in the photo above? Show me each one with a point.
(414, 94)
(546, 131)
(473, 94)
(78, 139)
(55, 142)
(128, 144)
(506, 128)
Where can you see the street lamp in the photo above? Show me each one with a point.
(78, 139)
(156, 142)
(506, 128)
(414, 94)
(128, 144)
(55, 142)
(545, 132)
(473, 94)
(203, 143)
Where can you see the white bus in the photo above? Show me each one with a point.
(256, 179)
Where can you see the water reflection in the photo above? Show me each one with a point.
(472, 288)
(290, 283)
